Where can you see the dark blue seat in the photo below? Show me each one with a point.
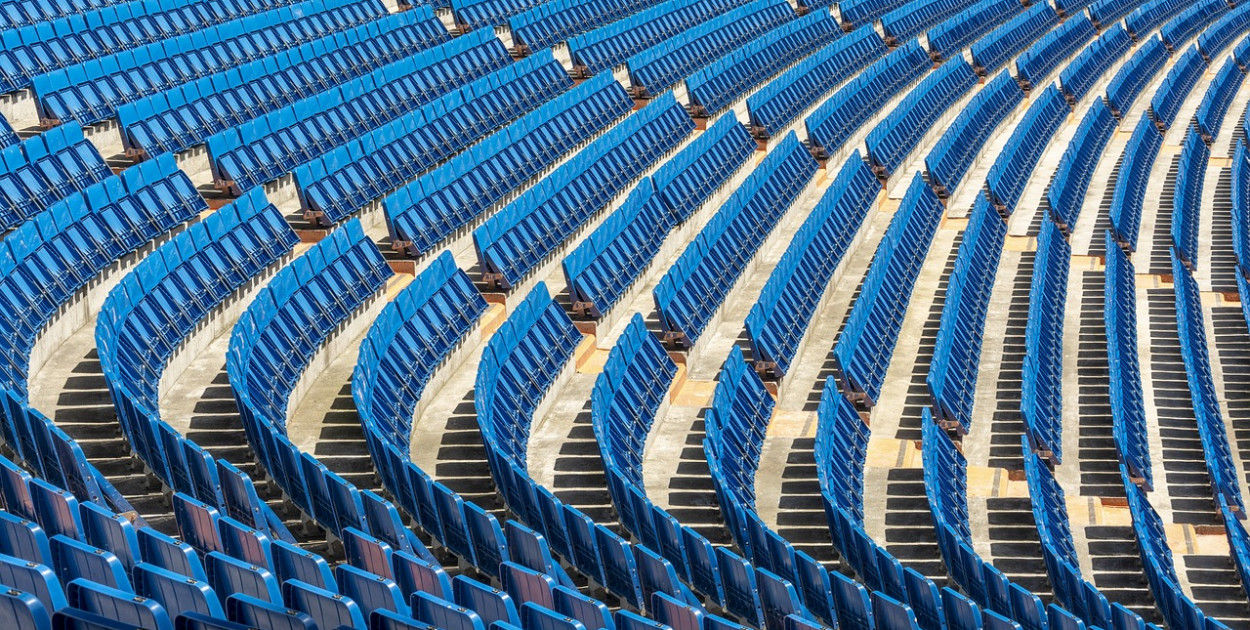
(177, 594)
(592, 613)
(853, 605)
(491, 604)
(256, 613)
(526, 585)
(24, 610)
(228, 575)
(413, 574)
(117, 605)
(73, 559)
(444, 614)
(538, 617)
(370, 591)
(326, 608)
(23, 539)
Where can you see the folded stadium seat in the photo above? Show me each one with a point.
(444, 614)
(229, 575)
(117, 605)
(177, 594)
(23, 539)
(24, 610)
(326, 608)
(781, 100)
(168, 553)
(493, 605)
(73, 559)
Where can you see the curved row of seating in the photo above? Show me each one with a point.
(1178, 610)
(92, 92)
(273, 342)
(628, 396)
(837, 118)
(857, 12)
(1217, 99)
(1167, 100)
(775, 105)
(949, 160)
(660, 67)
(1132, 77)
(38, 172)
(23, 13)
(423, 328)
(184, 117)
(608, 262)
(953, 371)
(1220, 35)
(1196, 355)
(840, 459)
(348, 177)
(894, 138)
(35, 49)
(1050, 514)
(1240, 210)
(610, 45)
(779, 319)
(949, 37)
(1010, 39)
(437, 204)
(1187, 197)
(513, 242)
(1002, 603)
(1190, 21)
(1079, 75)
(1130, 184)
(550, 23)
(1010, 172)
(59, 251)
(914, 18)
(1041, 401)
(148, 316)
(274, 144)
(692, 291)
(1128, 411)
(521, 363)
(1039, 60)
(482, 14)
(1105, 12)
(1153, 14)
(720, 83)
(1066, 195)
(863, 348)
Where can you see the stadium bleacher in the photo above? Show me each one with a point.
(647, 315)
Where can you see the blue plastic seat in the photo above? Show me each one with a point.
(177, 594)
